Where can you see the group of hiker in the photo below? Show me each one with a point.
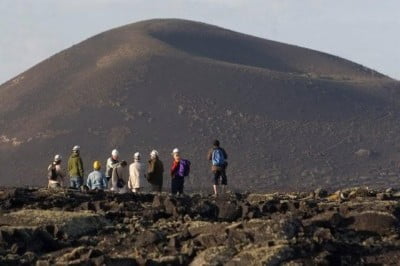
(121, 178)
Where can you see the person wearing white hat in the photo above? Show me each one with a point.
(111, 164)
(155, 171)
(135, 172)
(75, 168)
(55, 173)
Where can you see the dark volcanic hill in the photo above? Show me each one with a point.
(290, 118)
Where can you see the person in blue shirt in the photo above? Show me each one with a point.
(96, 179)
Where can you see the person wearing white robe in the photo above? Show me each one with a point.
(135, 173)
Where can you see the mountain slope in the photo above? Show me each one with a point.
(282, 112)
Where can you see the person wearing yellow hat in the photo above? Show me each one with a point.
(96, 179)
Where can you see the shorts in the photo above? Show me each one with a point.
(220, 174)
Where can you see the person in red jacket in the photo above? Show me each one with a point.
(180, 168)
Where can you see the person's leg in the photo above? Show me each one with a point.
(79, 182)
(156, 188)
(174, 185)
(72, 182)
(123, 190)
(114, 183)
(108, 185)
(216, 183)
(181, 185)
(224, 181)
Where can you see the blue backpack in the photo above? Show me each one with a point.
(184, 168)
(218, 158)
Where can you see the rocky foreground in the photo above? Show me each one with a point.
(353, 227)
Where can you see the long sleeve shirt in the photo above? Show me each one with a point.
(75, 166)
(135, 172)
(174, 168)
(155, 172)
(110, 166)
(96, 180)
(120, 176)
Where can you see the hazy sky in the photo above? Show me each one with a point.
(364, 31)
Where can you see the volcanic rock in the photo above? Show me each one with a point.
(66, 222)
(299, 231)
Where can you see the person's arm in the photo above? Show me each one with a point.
(89, 181)
(131, 176)
(225, 154)
(174, 167)
(62, 173)
(112, 165)
(69, 165)
(104, 181)
(62, 176)
(109, 163)
(80, 167)
(161, 167)
(209, 155)
(150, 169)
(138, 171)
(130, 173)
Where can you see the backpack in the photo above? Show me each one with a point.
(184, 168)
(52, 174)
(218, 158)
(120, 181)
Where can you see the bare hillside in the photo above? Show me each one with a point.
(289, 117)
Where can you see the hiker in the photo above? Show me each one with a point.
(179, 170)
(55, 173)
(120, 177)
(96, 179)
(218, 157)
(111, 164)
(135, 172)
(75, 168)
(155, 172)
